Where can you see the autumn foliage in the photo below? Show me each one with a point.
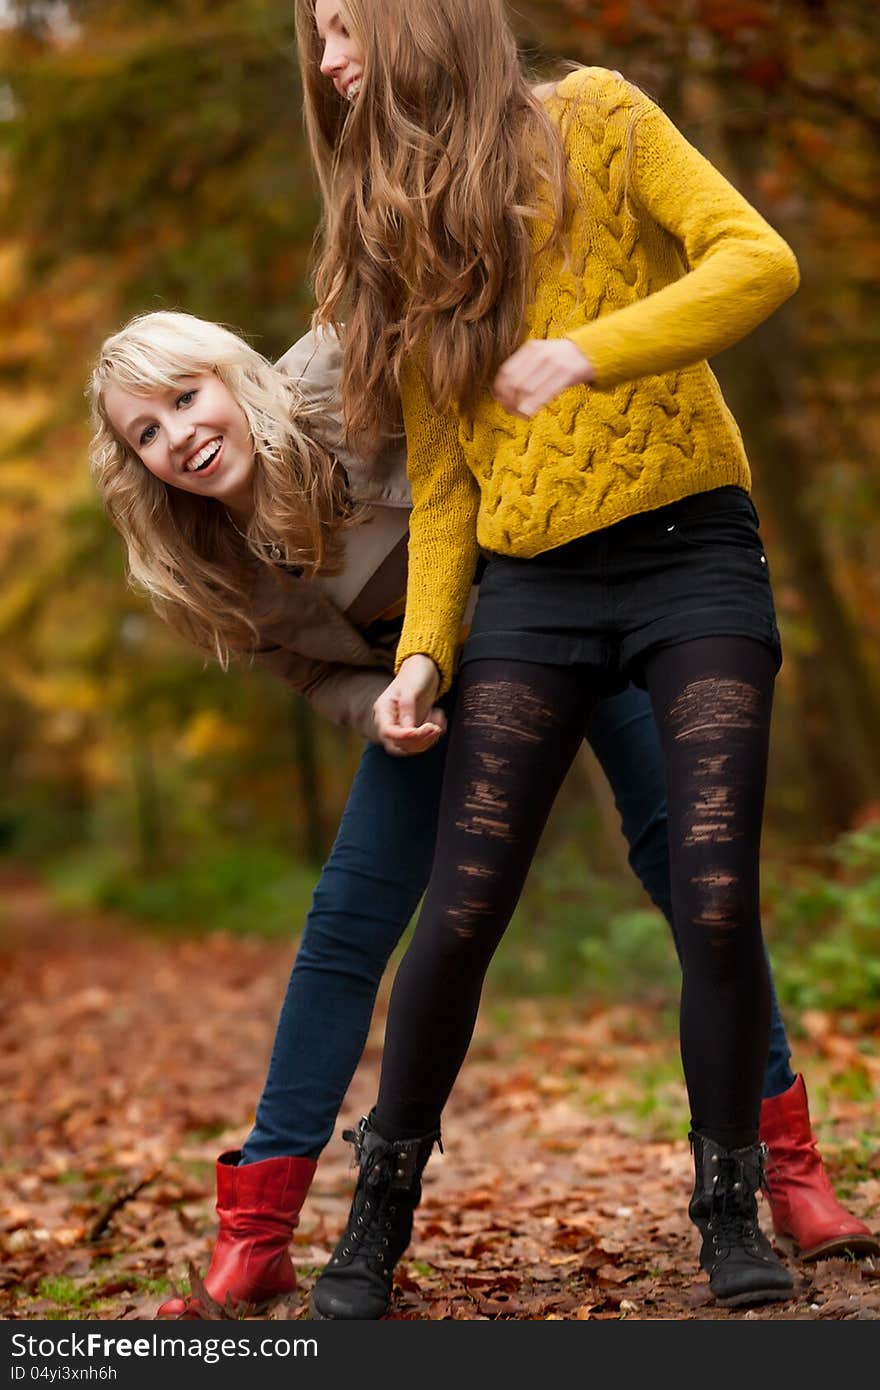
(153, 155)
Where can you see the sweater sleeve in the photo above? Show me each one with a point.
(442, 530)
(739, 270)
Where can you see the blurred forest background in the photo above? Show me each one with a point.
(153, 156)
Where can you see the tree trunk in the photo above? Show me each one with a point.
(762, 377)
(310, 786)
(147, 808)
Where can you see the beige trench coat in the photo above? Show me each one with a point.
(304, 639)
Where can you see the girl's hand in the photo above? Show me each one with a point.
(537, 372)
(405, 716)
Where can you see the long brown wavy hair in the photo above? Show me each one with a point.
(184, 550)
(441, 183)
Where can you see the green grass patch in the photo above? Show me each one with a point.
(821, 927)
(76, 1298)
(64, 1290)
(244, 890)
(578, 933)
(202, 1133)
(154, 1285)
(199, 1168)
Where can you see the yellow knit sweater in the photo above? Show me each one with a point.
(668, 265)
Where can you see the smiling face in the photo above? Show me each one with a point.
(193, 436)
(343, 57)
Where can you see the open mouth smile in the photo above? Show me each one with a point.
(201, 461)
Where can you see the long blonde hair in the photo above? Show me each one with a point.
(432, 182)
(182, 549)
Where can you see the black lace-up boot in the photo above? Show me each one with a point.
(736, 1255)
(357, 1281)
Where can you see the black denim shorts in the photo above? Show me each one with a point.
(694, 568)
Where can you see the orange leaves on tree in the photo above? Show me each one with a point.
(731, 19)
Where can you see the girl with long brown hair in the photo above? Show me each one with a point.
(540, 275)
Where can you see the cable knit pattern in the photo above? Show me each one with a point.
(667, 265)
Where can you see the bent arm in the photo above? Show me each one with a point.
(442, 532)
(739, 270)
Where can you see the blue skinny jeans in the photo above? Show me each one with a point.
(369, 890)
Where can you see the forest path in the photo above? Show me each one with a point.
(131, 1060)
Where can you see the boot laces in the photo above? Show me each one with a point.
(731, 1227)
(370, 1221)
(734, 1220)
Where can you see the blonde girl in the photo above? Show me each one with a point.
(204, 466)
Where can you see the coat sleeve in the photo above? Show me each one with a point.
(315, 364)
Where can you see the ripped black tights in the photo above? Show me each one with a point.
(516, 730)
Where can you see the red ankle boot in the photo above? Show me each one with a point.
(801, 1198)
(258, 1206)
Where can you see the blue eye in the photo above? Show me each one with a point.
(181, 402)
